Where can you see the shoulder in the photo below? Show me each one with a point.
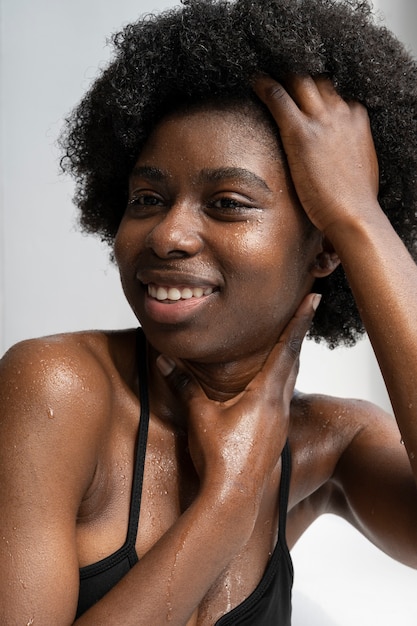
(344, 418)
(347, 415)
(54, 367)
(327, 430)
(73, 362)
(335, 442)
(56, 396)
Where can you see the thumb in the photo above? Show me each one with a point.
(296, 329)
(282, 362)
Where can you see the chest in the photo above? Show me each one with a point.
(163, 483)
(158, 477)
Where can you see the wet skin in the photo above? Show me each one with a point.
(211, 207)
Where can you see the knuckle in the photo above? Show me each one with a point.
(181, 382)
(294, 347)
(275, 92)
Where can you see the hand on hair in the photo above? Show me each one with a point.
(329, 147)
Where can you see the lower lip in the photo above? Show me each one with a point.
(174, 312)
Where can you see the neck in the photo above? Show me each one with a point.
(219, 381)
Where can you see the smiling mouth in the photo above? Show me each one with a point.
(164, 293)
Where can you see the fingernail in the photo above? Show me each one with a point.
(165, 364)
(316, 301)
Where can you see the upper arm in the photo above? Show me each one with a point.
(46, 463)
(374, 486)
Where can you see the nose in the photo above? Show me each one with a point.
(178, 232)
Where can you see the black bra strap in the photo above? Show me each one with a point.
(284, 490)
(141, 355)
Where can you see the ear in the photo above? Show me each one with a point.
(326, 260)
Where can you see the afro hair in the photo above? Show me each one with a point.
(211, 49)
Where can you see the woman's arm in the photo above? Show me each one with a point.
(333, 164)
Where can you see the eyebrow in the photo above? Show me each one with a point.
(206, 175)
(236, 173)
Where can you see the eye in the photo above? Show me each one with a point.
(145, 199)
(145, 203)
(230, 208)
(226, 203)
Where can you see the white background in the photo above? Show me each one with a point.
(54, 279)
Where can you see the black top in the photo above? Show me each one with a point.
(268, 605)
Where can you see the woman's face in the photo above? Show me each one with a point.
(214, 251)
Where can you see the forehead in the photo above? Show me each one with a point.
(234, 128)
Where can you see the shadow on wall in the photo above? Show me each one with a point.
(306, 612)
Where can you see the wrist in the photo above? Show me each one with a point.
(233, 503)
(356, 229)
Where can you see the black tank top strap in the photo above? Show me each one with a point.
(136, 496)
(284, 491)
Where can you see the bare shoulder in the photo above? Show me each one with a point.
(344, 418)
(80, 361)
(56, 392)
(40, 373)
(331, 439)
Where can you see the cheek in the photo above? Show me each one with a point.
(281, 257)
(124, 245)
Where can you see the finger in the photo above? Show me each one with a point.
(180, 381)
(282, 362)
(305, 91)
(310, 95)
(293, 335)
(277, 99)
(326, 89)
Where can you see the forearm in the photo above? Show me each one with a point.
(169, 582)
(383, 278)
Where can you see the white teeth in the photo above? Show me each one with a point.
(161, 293)
(174, 293)
(187, 293)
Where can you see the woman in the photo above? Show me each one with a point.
(231, 202)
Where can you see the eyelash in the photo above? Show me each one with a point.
(136, 200)
(221, 206)
(233, 204)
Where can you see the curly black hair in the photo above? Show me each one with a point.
(208, 49)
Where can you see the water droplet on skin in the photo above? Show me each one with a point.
(51, 414)
(402, 442)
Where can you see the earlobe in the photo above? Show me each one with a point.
(326, 261)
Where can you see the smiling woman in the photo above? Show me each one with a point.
(169, 470)
(231, 210)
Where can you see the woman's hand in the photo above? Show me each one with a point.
(235, 445)
(329, 147)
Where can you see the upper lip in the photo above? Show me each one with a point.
(175, 278)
